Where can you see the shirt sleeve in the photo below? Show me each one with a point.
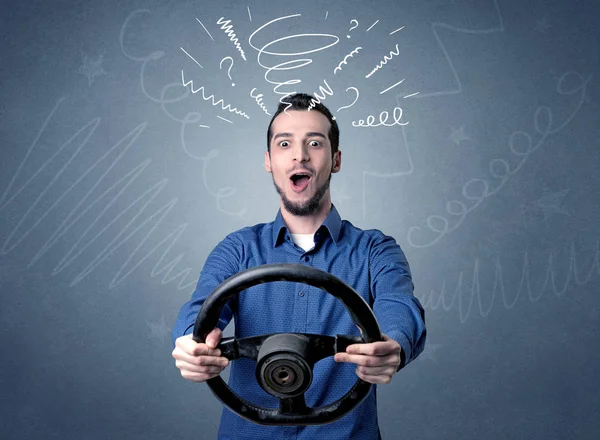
(399, 313)
(222, 263)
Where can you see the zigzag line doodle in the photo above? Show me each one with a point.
(212, 98)
(383, 62)
(77, 212)
(228, 28)
(433, 300)
(344, 61)
(317, 98)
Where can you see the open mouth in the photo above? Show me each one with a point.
(300, 181)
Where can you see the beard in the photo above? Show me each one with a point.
(308, 207)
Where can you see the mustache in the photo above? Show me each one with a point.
(298, 169)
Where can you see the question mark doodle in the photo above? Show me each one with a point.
(228, 70)
(354, 102)
(352, 27)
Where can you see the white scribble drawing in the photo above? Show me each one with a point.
(392, 86)
(458, 135)
(353, 27)
(249, 15)
(319, 97)
(383, 62)
(521, 144)
(259, 101)
(226, 120)
(91, 67)
(370, 27)
(353, 102)
(229, 69)
(326, 14)
(284, 66)
(509, 298)
(228, 29)
(399, 29)
(184, 51)
(211, 98)
(429, 352)
(436, 26)
(411, 95)
(345, 60)
(542, 25)
(78, 211)
(383, 117)
(158, 330)
(201, 24)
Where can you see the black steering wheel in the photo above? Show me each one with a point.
(284, 361)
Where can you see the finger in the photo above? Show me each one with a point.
(201, 360)
(214, 337)
(193, 348)
(383, 379)
(379, 348)
(368, 361)
(376, 371)
(198, 377)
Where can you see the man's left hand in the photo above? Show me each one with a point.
(376, 362)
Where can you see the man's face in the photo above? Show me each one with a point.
(300, 161)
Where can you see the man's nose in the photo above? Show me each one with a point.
(301, 153)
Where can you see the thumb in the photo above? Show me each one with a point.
(213, 338)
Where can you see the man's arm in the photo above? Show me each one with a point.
(222, 263)
(399, 313)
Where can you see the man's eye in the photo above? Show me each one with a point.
(315, 143)
(284, 144)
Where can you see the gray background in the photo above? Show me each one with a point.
(112, 195)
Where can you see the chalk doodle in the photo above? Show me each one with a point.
(353, 102)
(319, 97)
(383, 62)
(353, 27)
(228, 29)
(446, 300)
(118, 186)
(391, 87)
(191, 118)
(258, 99)
(228, 70)
(383, 117)
(478, 190)
(287, 65)
(344, 61)
(91, 67)
(211, 98)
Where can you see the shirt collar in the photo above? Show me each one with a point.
(332, 224)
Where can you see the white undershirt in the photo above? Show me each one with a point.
(305, 241)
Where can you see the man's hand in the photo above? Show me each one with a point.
(376, 362)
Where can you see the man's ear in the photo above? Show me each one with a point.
(267, 162)
(337, 162)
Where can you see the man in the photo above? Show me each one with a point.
(302, 154)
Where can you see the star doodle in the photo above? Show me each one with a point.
(458, 135)
(91, 67)
(158, 330)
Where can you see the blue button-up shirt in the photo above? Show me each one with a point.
(369, 261)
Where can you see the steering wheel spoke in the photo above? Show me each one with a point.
(293, 405)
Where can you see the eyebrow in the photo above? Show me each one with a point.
(309, 134)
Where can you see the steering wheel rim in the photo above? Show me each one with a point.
(288, 414)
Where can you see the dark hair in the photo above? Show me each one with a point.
(302, 101)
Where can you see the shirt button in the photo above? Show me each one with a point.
(306, 258)
(301, 293)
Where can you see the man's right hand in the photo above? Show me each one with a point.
(199, 362)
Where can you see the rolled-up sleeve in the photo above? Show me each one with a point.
(399, 313)
(221, 263)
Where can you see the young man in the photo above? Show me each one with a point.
(302, 154)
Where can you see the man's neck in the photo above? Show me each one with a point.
(306, 224)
